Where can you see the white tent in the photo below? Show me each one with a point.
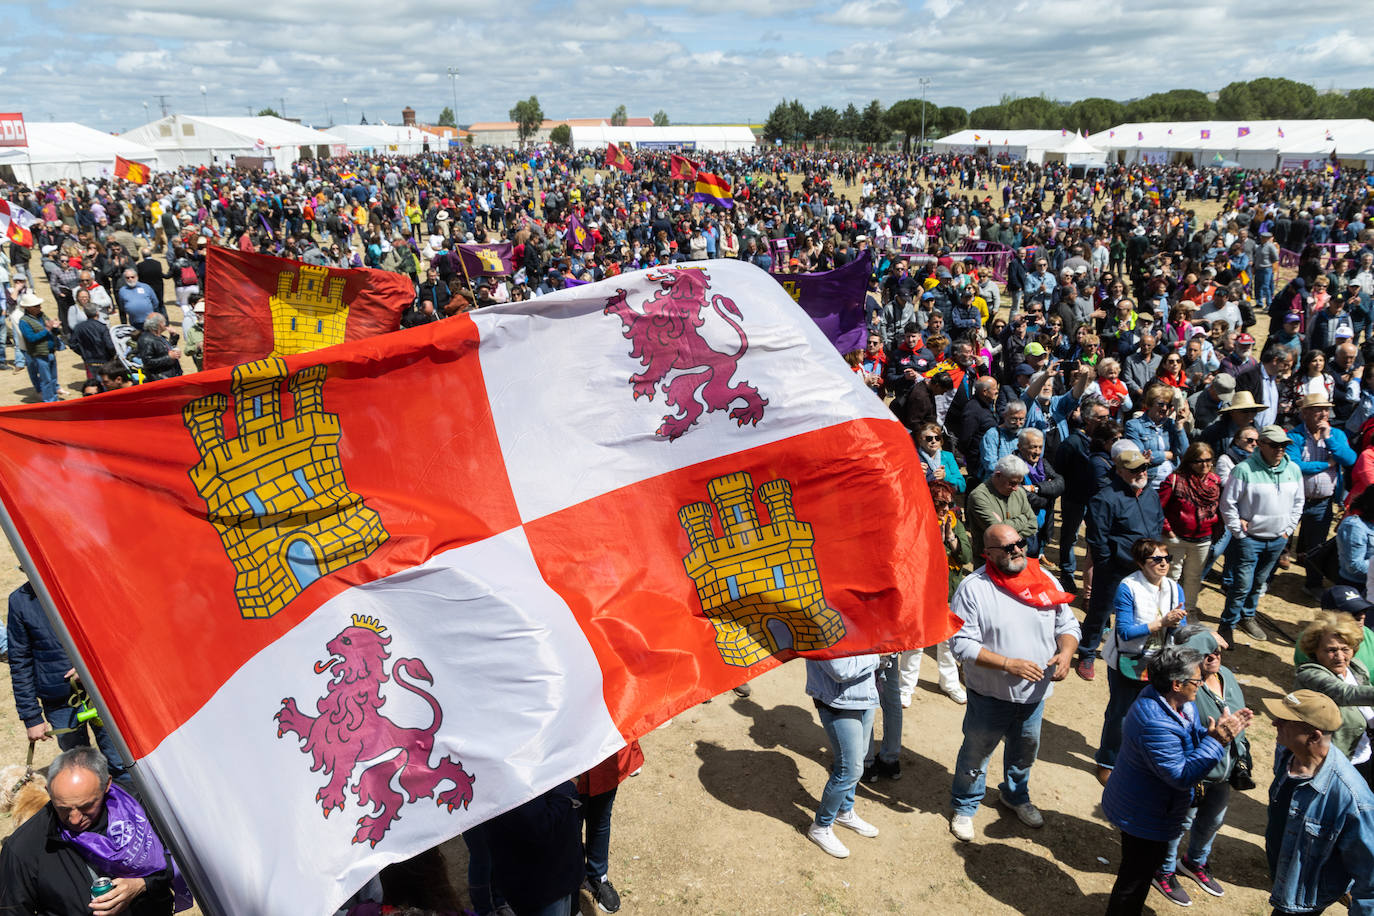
(192, 140)
(1037, 146)
(1288, 144)
(387, 139)
(66, 150)
(710, 138)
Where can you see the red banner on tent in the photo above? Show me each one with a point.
(12, 131)
(257, 305)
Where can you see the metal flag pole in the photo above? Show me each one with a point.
(155, 802)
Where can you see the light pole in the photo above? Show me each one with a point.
(205, 100)
(924, 81)
(146, 114)
(453, 81)
(345, 101)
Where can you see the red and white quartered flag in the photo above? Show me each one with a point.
(346, 604)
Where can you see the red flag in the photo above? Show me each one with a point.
(616, 158)
(390, 590)
(130, 171)
(16, 223)
(682, 168)
(257, 305)
(19, 235)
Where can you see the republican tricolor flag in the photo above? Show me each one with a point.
(130, 171)
(422, 578)
(616, 158)
(712, 189)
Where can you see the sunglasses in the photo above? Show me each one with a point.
(1008, 548)
(1160, 559)
(931, 438)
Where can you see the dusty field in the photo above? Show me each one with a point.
(714, 824)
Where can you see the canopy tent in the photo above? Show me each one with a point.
(710, 138)
(193, 140)
(1037, 146)
(1288, 144)
(386, 139)
(66, 150)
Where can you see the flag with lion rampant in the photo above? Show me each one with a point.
(422, 577)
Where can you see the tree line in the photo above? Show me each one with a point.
(1259, 99)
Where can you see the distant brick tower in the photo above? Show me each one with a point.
(758, 583)
(408, 116)
(308, 311)
(276, 491)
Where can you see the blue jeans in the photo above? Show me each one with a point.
(596, 811)
(1205, 820)
(889, 678)
(1219, 550)
(1121, 694)
(43, 374)
(1070, 522)
(1264, 285)
(60, 716)
(485, 897)
(849, 731)
(1105, 582)
(988, 721)
(1249, 561)
(1312, 532)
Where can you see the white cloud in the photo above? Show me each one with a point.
(866, 14)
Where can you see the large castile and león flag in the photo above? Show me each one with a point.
(257, 305)
(352, 602)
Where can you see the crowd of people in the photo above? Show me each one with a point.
(1078, 357)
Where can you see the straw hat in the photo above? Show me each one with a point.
(1242, 400)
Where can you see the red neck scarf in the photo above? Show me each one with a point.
(1031, 585)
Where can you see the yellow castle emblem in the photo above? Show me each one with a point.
(276, 491)
(490, 260)
(308, 311)
(758, 582)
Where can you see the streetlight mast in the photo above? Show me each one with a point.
(924, 81)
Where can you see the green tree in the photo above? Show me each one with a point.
(849, 122)
(1360, 103)
(872, 128)
(562, 135)
(778, 126)
(989, 117)
(1284, 98)
(952, 120)
(660, 118)
(1174, 105)
(619, 117)
(446, 118)
(528, 116)
(825, 123)
(268, 113)
(1034, 113)
(798, 122)
(1237, 102)
(909, 116)
(1333, 105)
(1095, 114)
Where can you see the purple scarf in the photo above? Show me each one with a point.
(129, 848)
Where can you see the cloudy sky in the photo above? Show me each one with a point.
(101, 61)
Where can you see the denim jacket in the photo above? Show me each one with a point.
(844, 683)
(1328, 840)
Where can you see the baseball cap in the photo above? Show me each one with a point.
(1274, 435)
(1244, 339)
(1203, 641)
(1035, 348)
(1291, 317)
(927, 295)
(1224, 382)
(199, 308)
(1346, 599)
(1024, 369)
(1309, 706)
(1130, 460)
(1344, 332)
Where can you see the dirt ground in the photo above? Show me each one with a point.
(715, 822)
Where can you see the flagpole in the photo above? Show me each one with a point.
(154, 801)
(463, 263)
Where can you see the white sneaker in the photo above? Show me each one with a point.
(956, 693)
(906, 701)
(961, 825)
(825, 838)
(857, 824)
(1028, 813)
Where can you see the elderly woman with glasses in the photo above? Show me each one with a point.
(940, 464)
(1191, 497)
(1148, 605)
(1167, 748)
(1331, 642)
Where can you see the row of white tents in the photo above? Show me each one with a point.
(66, 150)
(1244, 144)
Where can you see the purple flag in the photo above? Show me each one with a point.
(835, 300)
(488, 260)
(579, 239)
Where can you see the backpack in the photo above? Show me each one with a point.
(188, 277)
